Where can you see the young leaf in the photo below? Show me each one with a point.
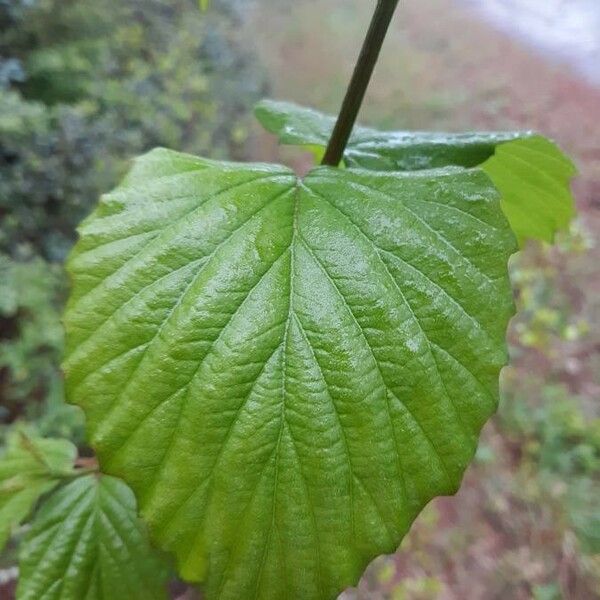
(379, 150)
(530, 172)
(28, 469)
(87, 542)
(534, 177)
(285, 371)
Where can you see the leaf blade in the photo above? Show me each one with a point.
(29, 468)
(534, 177)
(267, 373)
(86, 542)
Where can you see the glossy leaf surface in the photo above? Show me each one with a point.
(530, 172)
(285, 371)
(29, 468)
(87, 543)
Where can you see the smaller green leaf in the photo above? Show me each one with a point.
(87, 542)
(530, 172)
(204, 4)
(29, 468)
(533, 178)
(382, 150)
(295, 125)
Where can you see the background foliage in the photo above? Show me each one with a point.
(86, 84)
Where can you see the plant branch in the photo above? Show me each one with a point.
(87, 462)
(360, 81)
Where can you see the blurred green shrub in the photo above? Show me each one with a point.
(546, 316)
(31, 341)
(560, 442)
(85, 84)
(555, 433)
(554, 430)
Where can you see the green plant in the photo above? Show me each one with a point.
(560, 443)
(29, 469)
(86, 540)
(31, 345)
(90, 83)
(286, 370)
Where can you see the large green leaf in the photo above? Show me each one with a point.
(285, 371)
(29, 468)
(530, 172)
(88, 543)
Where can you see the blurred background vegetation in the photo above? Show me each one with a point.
(87, 84)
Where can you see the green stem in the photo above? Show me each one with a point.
(360, 81)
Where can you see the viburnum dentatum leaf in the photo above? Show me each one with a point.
(287, 370)
(29, 468)
(87, 542)
(530, 172)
